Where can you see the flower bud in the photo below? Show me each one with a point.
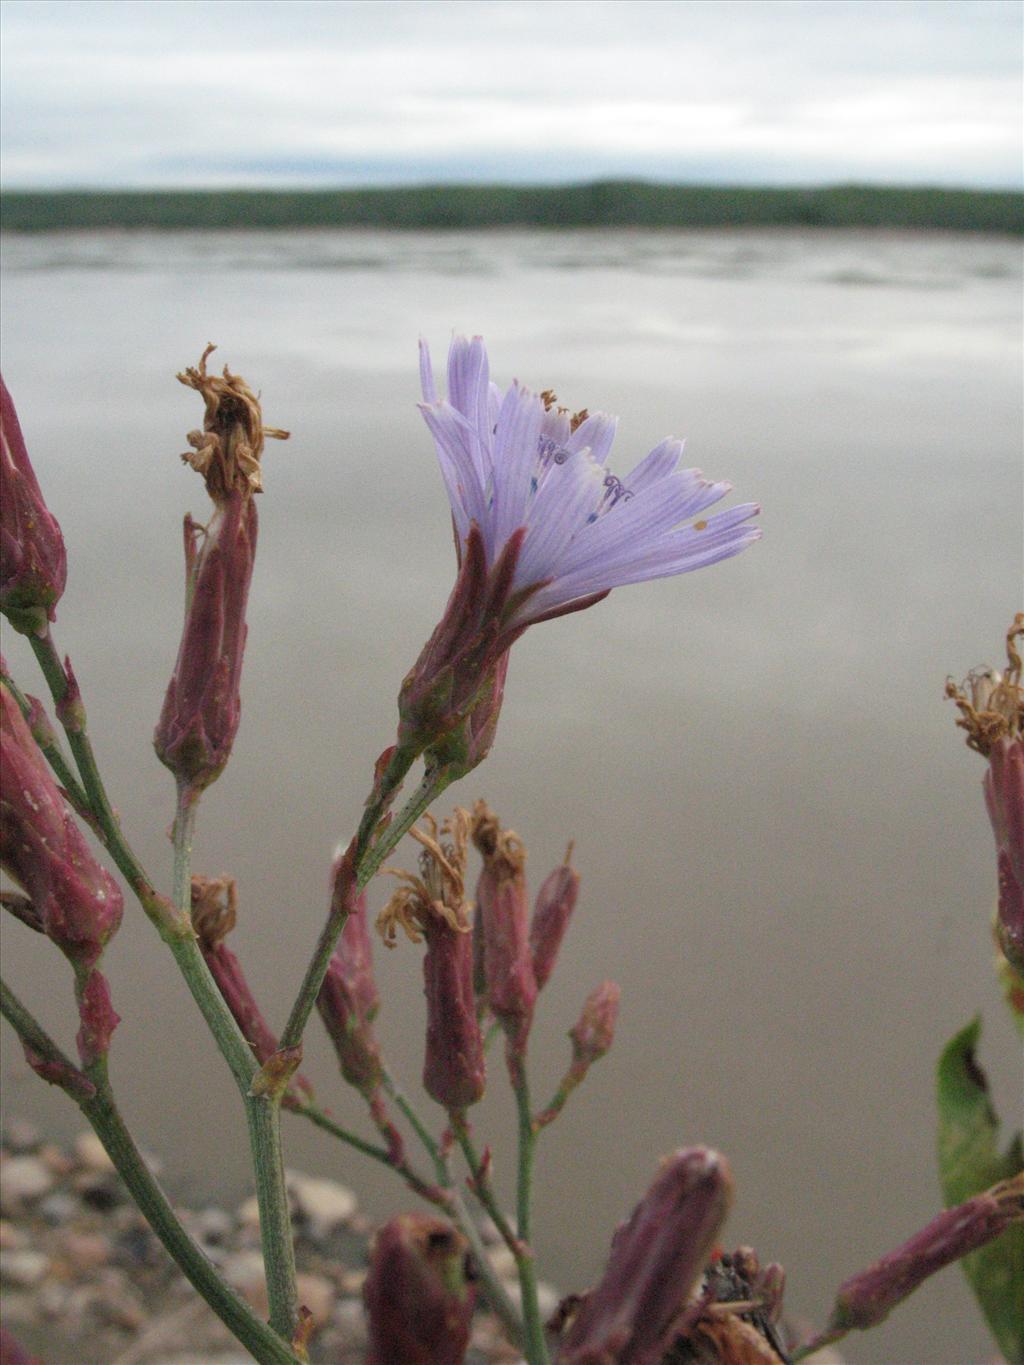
(991, 706)
(75, 900)
(454, 1072)
(348, 1003)
(556, 900)
(501, 906)
(593, 1033)
(432, 907)
(419, 1300)
(33, 563)
(1004, 797)
(866, 1299)
(202, 706)
(656, 1259)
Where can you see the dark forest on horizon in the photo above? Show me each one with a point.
(609, 203)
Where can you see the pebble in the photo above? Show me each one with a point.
(323, 1203)
(23, 1179)
(91, 1153)
(85, 1251)
(23, 1269)
(318, 1294)
(214, 1225)
(21, 1138)
(86, 1280)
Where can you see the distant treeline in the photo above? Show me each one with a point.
(616, 203)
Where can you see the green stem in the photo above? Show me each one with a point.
(536, 1346)
(100, 1109)
(262, 1110)
(371, 850)
(494, 1291)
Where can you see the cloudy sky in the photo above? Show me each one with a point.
(345, 92)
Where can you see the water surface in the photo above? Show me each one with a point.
(785, 857)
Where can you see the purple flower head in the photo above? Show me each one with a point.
(33, 564)
(516, 462)
(542, 527)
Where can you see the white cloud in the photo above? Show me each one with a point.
(173, 91)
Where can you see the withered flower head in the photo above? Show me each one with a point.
(991, 703)
(227, 451)
(432, 906)
(202, 707)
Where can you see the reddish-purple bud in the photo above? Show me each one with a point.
(865, 1299)
(556, 900)
(594, 1032)
(33, 564)
(348, 1002)
(202, 707)
(454, 1071)
(656, 1259)
(13, 1353)
(1004, 797)
(432, 907)
(97, 1017)
(419, 1301)
(502, 908)
(41, 847)
(214, 914)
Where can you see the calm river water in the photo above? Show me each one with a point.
(785, 858)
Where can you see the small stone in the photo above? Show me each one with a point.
(117, 1304)
(91, 1154)
(21, 1138)
(244, 1272)
(55, 1160)
(323, 1203)
(317, 1293)
(214, 1226)
(85, 1251)
(23, 1269)
(503, 1263)
(249, 1212)
(350, 1316)
(58, 1208)
(23, 1179)
(12, 1238)
(53, 1299)
(100, 1190)
(352, 1281)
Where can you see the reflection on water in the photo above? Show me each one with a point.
(785, 858)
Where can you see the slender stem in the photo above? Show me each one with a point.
(96, 1101)
(495, 1292)
(536, 1346)
(262, 1111)
(263, 1114)
(370, 852)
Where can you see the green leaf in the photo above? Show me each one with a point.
(969, 1162)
